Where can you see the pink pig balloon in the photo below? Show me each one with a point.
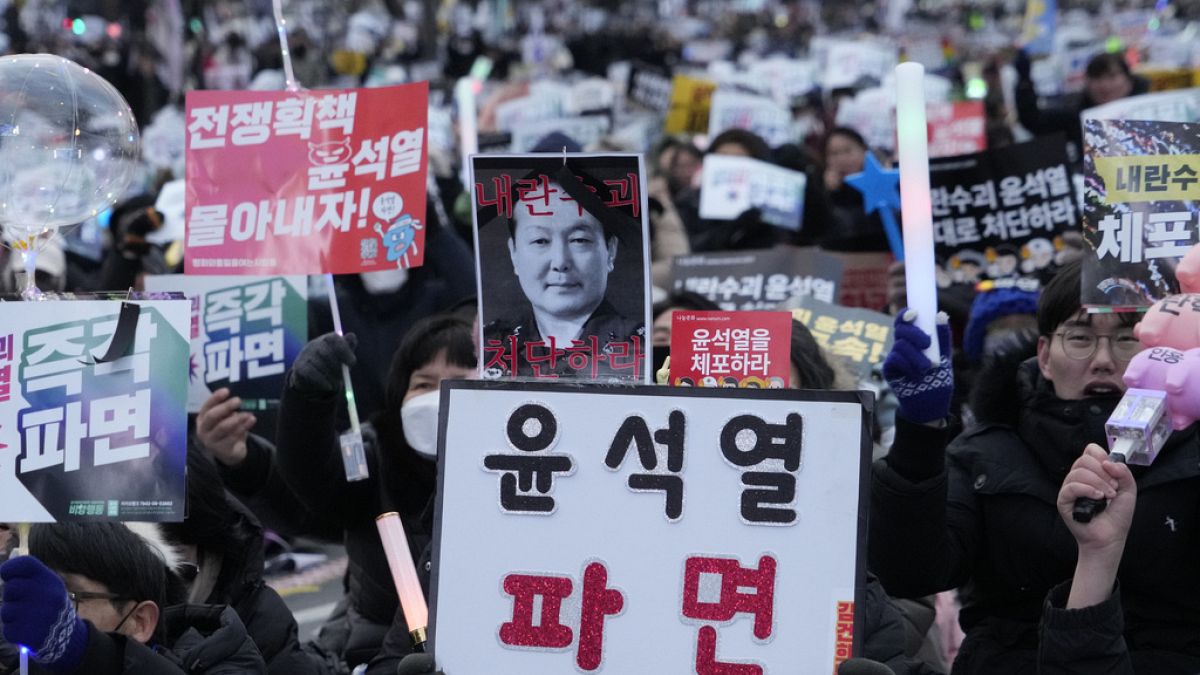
(1188, 271)
(1172, 322)
(1173, 371)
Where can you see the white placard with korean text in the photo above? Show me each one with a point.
(245, 333)
(84, 440)
(647, 529)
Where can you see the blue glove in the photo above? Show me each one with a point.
(38, 614)
(922, 390)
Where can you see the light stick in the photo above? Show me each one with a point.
(468, 131)
(24, 660)
(916, 207)
(353, 455)
(404, 575)
(23, 549)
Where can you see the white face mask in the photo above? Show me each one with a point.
(384, 281)
(419, 416)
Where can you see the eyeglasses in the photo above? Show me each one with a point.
(1081, 344)
(83, 596)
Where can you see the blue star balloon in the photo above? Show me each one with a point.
(880, 189)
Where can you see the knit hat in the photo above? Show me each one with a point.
(990, 305)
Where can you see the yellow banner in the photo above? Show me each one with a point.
(691, 99)
(1150, 178)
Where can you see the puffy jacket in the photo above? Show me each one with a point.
(983, 515)
(210, 640)
(1085, 641)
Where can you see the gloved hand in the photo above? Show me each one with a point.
(417, 664)
(1023, 65)
(318, 368)
(38, 614)
(923, 390)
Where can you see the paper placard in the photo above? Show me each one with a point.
(245, 333)
(88, 441)
(306, 182)
(644, 519)
(733, 185)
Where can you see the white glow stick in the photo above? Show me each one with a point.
(468, 129)
(404, 575)
(915, 205)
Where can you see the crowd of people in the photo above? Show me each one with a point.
(976, 564)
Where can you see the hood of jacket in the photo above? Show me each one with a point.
(1013, 393)
(210, 639)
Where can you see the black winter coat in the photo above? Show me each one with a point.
(983, 515)
(1085, 641)
(267, 619)
(1044, 121)
(106, 654)
(210, 640)
(309, 458)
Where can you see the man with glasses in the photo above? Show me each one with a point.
(87, 600)
(979, 513)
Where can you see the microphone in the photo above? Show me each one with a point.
(416, 664)
(1137, 430)
(859, 666)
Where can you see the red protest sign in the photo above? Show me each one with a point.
(731, 349)
(306, 182)
(956, 128)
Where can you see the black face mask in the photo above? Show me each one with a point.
(1058, 430)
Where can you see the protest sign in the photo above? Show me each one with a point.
(691, 99)
(650, 87)
(584, 130)
(733, 185)
(860, 337)
(1141, 206)
(245, 333)
(526, 110)
(306, 182)
(864, 279)
(1169, 106)
(590, 95)
(88, 430)
(761, 115)
(562, 262)
(757, 280)
(1041, 18)
(957, 128)
(1002, 212)
(782, 78)
(846, 63)
(731, 349)
(762, 565)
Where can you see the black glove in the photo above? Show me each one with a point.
(417, 664)
(1023, 65)
(318, 369)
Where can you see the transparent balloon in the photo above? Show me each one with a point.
(69, 148)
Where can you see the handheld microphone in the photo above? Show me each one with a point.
(1137, 431)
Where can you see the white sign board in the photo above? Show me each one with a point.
(568, 540)
(1167, 106)
(245, 333)
(761, 115)
(732, 185)
(586, 130)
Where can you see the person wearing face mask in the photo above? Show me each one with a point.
(981, 514)
(379, 306)
(401, 450)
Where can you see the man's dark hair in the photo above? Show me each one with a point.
(1062, 300)
(107, 553)
(1107, 64)
(421, 344)
(752, 143)
(808, 359)
(847, 132)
